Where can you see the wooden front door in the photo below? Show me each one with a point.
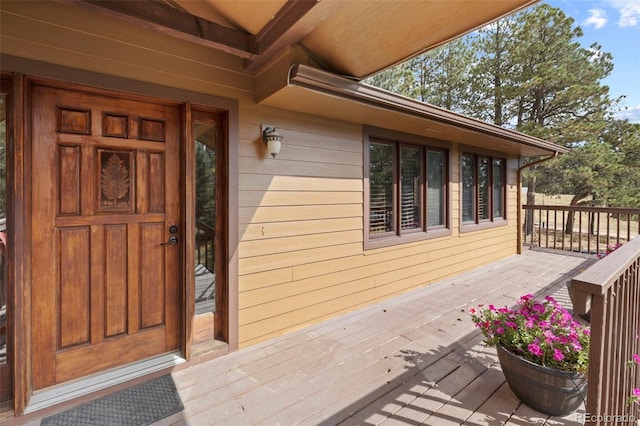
(105, 196)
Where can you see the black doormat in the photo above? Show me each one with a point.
(140, 405)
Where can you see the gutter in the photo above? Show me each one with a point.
(334, 85)
(338, 86)
(519, 196)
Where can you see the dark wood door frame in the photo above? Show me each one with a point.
(18, 256)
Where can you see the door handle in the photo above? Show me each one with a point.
(172, 241)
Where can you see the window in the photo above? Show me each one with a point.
(483, 189)
(407, 190)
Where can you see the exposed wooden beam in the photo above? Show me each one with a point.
(291, 24)
(176, 23)
(287, 17)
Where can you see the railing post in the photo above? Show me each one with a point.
(612, 285)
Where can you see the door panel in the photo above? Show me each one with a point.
(105, 190)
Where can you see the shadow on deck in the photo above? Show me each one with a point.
(414, 359)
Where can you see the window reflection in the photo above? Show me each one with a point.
(468, 188)
(381, 218)
(205, 212)
(411, 189)
(3, 230)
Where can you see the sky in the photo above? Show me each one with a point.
(615, 25)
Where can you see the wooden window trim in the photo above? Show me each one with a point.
(396, 237)
(493, 222)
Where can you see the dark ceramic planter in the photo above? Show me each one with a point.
(550, 391)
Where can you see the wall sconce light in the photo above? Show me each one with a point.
(273, 139)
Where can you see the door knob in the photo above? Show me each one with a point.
(172, 241)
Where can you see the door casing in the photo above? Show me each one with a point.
(19, 257)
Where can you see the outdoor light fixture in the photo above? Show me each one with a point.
(273, 139)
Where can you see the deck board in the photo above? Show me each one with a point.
(414, 359)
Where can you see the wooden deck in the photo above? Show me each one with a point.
(414, 359)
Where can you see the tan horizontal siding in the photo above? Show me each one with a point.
(75, 37)
(281, 166)
(304, 129)
(256, 182)
(293, 245)
(264, 279)
(298, 198)
(294, 228)
(289, 213)
(285, 260)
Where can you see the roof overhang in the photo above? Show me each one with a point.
(356, 37)
(317, 92)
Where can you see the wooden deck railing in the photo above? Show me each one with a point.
(579, 229)
(205, 240)
(611, 289)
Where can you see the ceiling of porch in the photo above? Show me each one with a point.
(354, 38)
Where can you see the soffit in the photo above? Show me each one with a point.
(355, 38)
(364, 36)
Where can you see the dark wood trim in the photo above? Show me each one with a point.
(18, 257)
(492, 222)
(295, 26)
(221, 317)
(219, 119)
(188, 200)
(396, 138)
(176, 23)
(233, 204)
(6, 376)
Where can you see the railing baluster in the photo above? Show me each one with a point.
(562, 229)
(539, 227)
(546, 225)
(573, 221)
(555, 228)
(598, 233)
(579, 232)
(589, 230)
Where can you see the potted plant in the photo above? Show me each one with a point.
(543, 352)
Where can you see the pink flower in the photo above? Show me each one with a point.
(472, 310)
(538, 307)
(535, 349)
(499, 330)
(636, 392)
(558, 355)
(636, 358)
